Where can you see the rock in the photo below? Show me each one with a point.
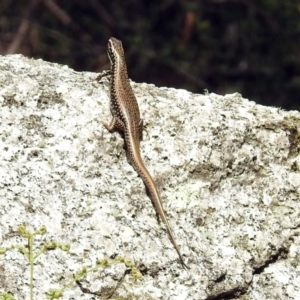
(228, 171)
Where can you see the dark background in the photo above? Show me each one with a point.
(251, 47)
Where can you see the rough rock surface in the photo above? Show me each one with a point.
(228, 171)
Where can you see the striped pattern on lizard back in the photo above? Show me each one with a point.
(126, 119)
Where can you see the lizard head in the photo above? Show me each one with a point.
(115, 50)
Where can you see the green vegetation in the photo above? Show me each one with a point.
(32, 254)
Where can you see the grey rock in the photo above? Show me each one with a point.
(228, 171)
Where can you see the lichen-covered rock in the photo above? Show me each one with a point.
(228, 171)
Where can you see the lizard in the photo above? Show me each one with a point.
(126, 120)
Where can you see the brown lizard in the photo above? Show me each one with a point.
(126, 119)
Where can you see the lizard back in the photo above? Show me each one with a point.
(124, 106)
(126, 118)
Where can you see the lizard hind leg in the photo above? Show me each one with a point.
(115, 125)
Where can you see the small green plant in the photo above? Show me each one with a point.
(102, 263)
(6, 296)
(28, 252)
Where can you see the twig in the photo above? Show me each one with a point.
(103, 13)
(23, 28)
(58, 12)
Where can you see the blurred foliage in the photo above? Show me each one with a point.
(251, 47)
